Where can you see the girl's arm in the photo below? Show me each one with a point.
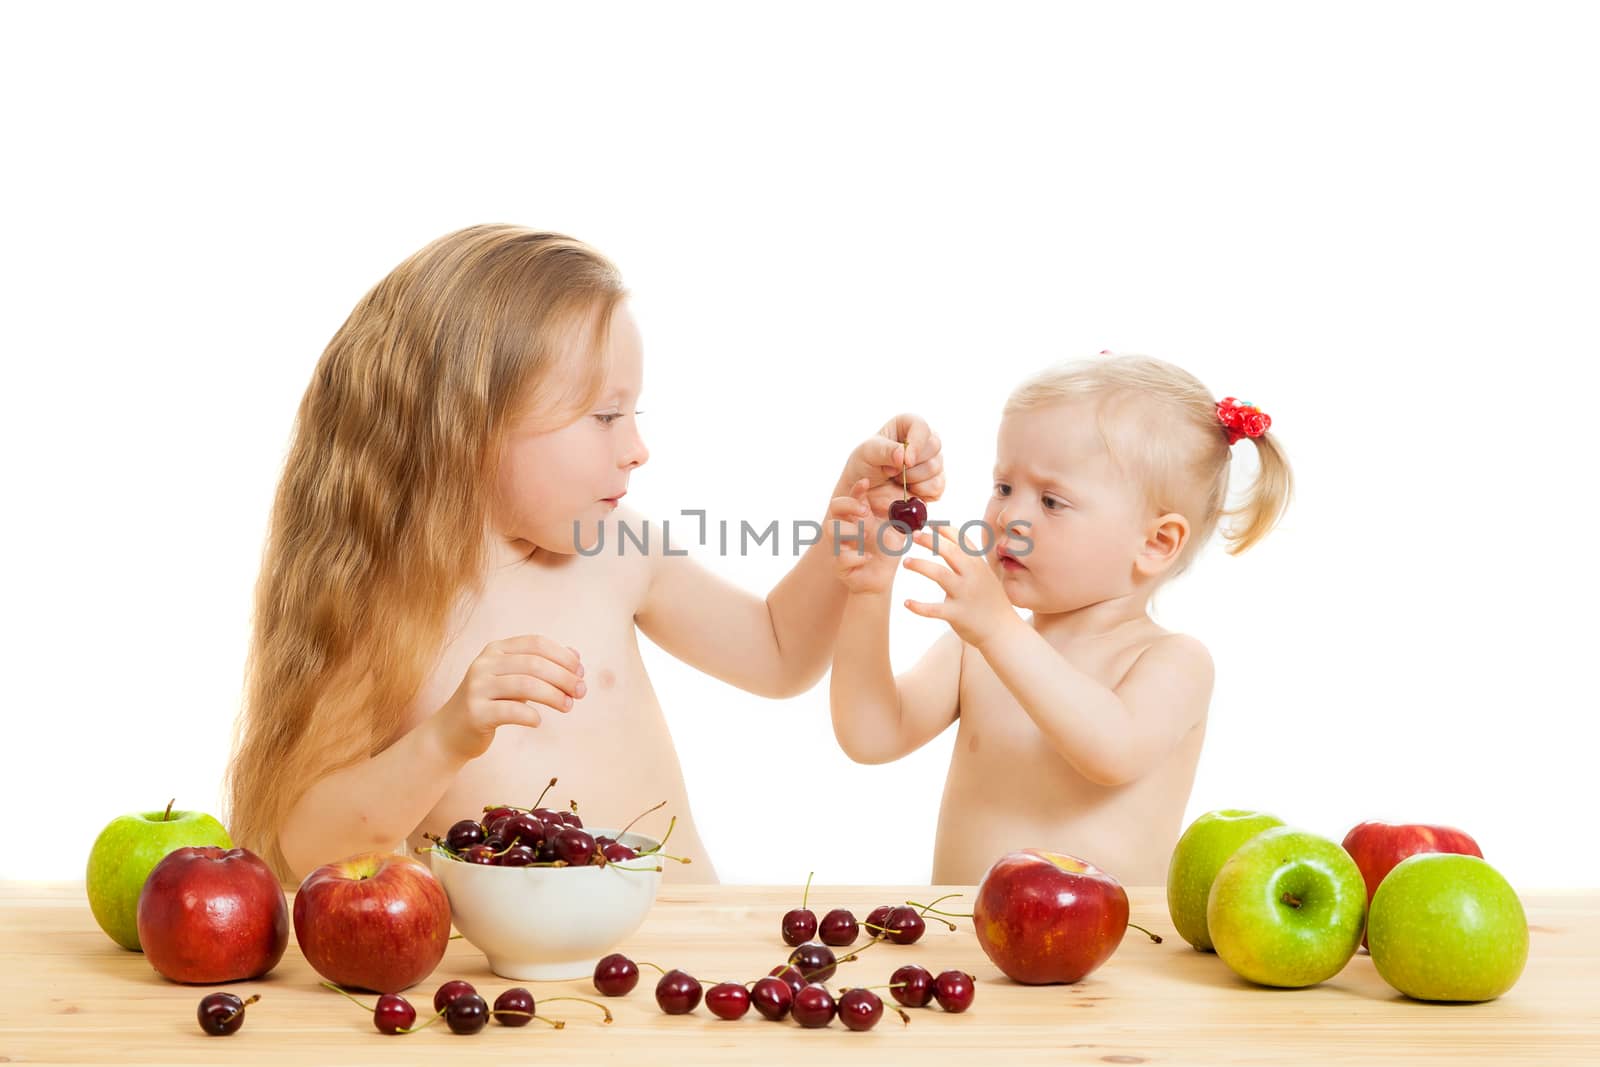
(779, 645)
(372, 805)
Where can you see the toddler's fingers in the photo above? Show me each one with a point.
(926, 610)
(928, 569)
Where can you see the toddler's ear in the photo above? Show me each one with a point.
(1163, 542)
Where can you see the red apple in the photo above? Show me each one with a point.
(209, 915)
(378, 921)
(1045, 917)
(1378, 847)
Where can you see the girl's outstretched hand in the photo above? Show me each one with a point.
(904, 446)
(510, 683)
(852, 529)
(975, 603)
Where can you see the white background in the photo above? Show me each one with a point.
(1378, 222)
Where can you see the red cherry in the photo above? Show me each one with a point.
(860, 1009)
(789, 976)
(449, 992)
(815, 961)
(838, 928)
(799, 926)
(221, 1014)
(393, 1014)
(814, 1006)
(616, 975)
(911, 512)
(912, 985)
(467, 1014)
(678, 993)
(954, 990)
(772, 997)
(905, 926)
(728, 1000)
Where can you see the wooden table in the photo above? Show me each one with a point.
(70, 995)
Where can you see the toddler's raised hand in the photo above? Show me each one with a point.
(852, 529)
(509, 683)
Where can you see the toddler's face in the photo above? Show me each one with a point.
(1085, 519)
(550, 479)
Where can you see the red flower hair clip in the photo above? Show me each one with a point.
(1242, 419)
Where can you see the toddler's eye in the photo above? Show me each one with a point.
(607, 418)
(1002, 489)
(1052, 504)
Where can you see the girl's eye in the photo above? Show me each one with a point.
(607, 418)
(1052, 504)
(1002, 489)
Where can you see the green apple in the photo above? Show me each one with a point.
(1287, 909)
(125, 853)
(1447, 927)
(1202, 850)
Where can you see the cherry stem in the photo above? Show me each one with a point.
(236, 1012)
(905, 491)
(663, 842)
(1153, 937)
(647, 963)
(585, 1000)
(636, 818)
(620, 867)
(424, 1026)
(167, 815)
(434, 848)
(347, 996)
(927, 908)
(805, 896)
(547, 789)
(557, 1023)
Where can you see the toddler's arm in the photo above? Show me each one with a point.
(1112, 736)
(877, 717)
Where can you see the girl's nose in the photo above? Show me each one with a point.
(637, 454)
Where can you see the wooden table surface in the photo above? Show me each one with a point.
(68, 994)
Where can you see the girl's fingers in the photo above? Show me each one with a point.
(518, 713)
(540, 667)
(538, 645)
(523, 687)
(927, 611)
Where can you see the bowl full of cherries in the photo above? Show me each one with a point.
(541, 895)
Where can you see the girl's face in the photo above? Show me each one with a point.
(548, 480)
(1086, 520)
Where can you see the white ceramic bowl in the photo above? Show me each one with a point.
(548, 923)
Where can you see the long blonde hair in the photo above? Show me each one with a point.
(378, 523)
(1160, 424)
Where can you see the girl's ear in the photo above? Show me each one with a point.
(1163, 543)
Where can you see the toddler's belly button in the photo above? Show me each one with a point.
(606, 679)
